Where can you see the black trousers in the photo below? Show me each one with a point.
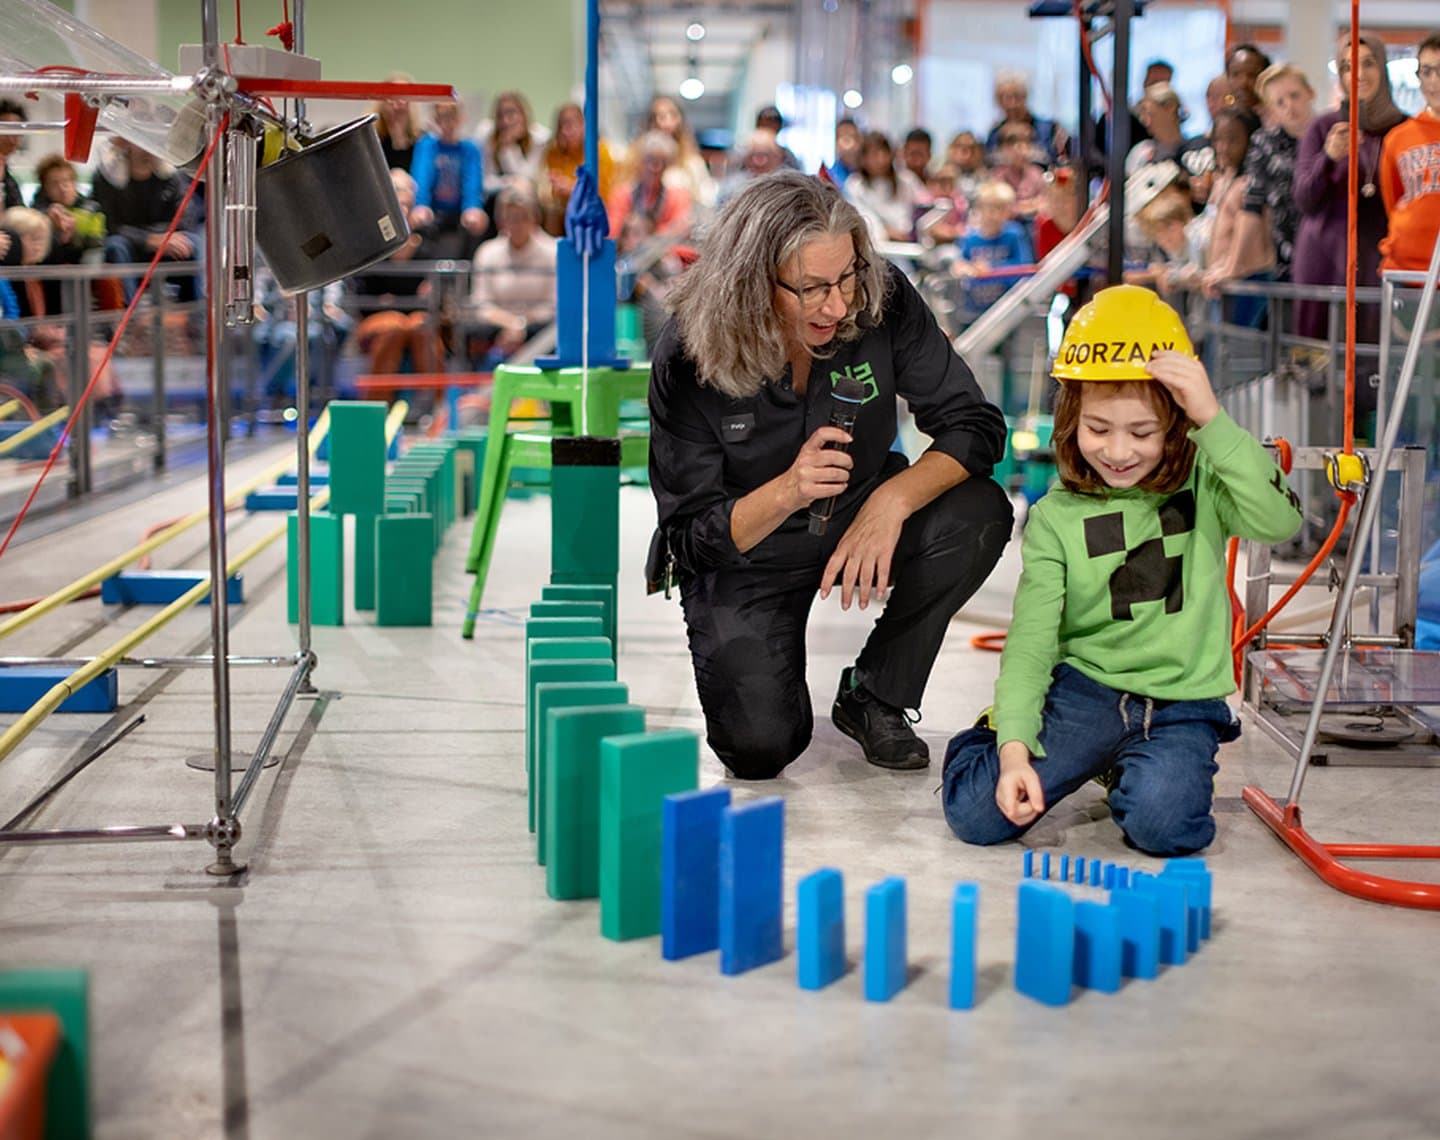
(747, 626)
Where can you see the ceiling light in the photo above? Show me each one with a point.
(695, 32)
(851, 98)
(692, 88)
(902, 73)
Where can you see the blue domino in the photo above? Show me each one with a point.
(885, 958)
(22, 685)
(272, 499)
(1045, 866)
(820, 934)
(1027, 865)
(1097, 946)
(690, 872)
(1122, 877)
(1174, 913)
(1139, 933)
(1064, 868)
(161, 587)
(1045, 943)
(1193, 870)
(751, 881)
(965, 911)
(1095, 868)
(1109, 877)
(1080, 870)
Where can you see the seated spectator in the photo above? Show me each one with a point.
(512, 295)
(945, 221)
(139, 194)
(688, 170)
(967, 156)
(916, 152)
(77, 221)
(770, 119)
(1012, 96)
(1410, 173)
(276, 332)
(993, 241)
(1016, 168)
(398, 124)
(394, 322)
(10, 112)
(848, 141)
(667, 204)
(562, 156)
(886, 198)
(762, 155)
(511, 144)
(449, 186)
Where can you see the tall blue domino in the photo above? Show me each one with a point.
(751, 884)
(690, 872)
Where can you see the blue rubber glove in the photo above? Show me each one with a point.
(586, 223)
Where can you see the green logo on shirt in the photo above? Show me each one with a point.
(861, 372)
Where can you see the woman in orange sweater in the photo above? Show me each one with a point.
(1410, 174)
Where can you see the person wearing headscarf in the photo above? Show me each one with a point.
(1321, 185)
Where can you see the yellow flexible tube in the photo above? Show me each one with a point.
(29, 433)
(120, 561)
(52, 700)
(9, 408)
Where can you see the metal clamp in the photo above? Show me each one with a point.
(1347, 471)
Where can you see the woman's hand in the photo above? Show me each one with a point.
(1186, 379)
(861, 561)
(818, 471)
(1018, 792)
(1337, 142)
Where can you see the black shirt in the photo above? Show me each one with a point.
(707, 449)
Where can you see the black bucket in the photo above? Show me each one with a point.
(329, 209)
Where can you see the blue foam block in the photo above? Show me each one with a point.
(161, 587)
(751, 881)
(1122, 876)
(1044, 943)
(317, 479)
(22, 685)
(1027, 866)
(1173, 909)
(885, 959)
(1194, 870)
(1097, 947)
(820, 928)
(1139, 933)
(272, 499)
(964, 911)
(1109, 876)
(690, 872)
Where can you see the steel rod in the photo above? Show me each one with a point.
(119, 834)
(97, 84)
(267, 740)
(40, 800)
(302, 467)
(205, 661)
(1369, 510)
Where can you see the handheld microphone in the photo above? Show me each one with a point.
(848, 394)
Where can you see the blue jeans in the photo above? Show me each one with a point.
(1163, 753)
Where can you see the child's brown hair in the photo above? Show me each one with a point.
(1177, 457)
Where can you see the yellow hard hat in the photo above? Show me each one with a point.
(1116, 334)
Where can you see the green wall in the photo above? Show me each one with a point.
(478, 46)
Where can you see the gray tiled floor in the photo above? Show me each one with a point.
(391, 966)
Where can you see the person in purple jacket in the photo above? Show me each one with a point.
(1321, 177)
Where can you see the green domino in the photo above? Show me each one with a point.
(357, 456)
(584, 592)
(636, 774)
(404, 569)
(564, 627)
(574, 648)
(572, 794)
(327, 568)
(553, 671)
(585, 510)
(365, 558)
(552, 695)
(548, 609)
(66, 994)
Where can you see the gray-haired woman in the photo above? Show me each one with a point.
(787, 299)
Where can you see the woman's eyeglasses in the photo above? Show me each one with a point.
(813, 296)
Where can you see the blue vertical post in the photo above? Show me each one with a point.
(751, 884)
(964, 913)
(820, 928)
(1045, 943)
(1080, 870)
(1096, 866)
(690, 872)
(1064, 868)
(1045, 866)
(885, 960)
(1122, 877)
(1027, 866)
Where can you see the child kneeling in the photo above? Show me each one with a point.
(1118, 658)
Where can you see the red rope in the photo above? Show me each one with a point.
(285, 30)
(1352, 238)
(114, 340)
(239, 39)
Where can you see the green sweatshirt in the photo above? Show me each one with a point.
(1129, 587)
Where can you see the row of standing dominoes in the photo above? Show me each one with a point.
(1148, 920)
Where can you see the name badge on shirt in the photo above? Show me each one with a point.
(735, 427)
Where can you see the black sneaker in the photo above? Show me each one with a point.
(883, 731)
